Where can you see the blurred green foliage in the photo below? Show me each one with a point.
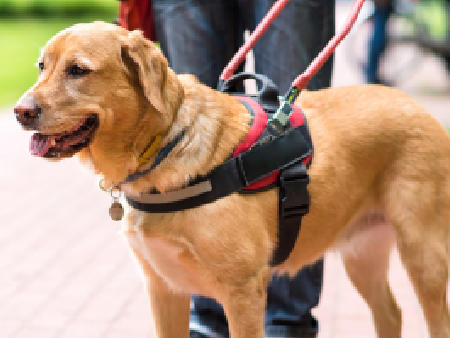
(56, 8)
(433, 16)
(33, 23)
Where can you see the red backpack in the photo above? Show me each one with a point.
(137, 14)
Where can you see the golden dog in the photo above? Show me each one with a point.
(379, 177)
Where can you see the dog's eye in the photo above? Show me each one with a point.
(41, 66)
(77, 71)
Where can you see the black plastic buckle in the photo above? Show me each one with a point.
(294, 198)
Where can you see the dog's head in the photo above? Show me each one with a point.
(97, 83)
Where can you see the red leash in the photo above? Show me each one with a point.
(302, 80)
(281, 117)
(254, 37)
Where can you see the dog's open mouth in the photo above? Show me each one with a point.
(64, 144)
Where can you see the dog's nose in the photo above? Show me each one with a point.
(27, 112)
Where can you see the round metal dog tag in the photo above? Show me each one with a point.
(116, 211)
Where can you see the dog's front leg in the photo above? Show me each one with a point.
(170, 310)
(245, 306)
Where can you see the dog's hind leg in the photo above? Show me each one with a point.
(420, 213)
(366, 260)
(425, 259)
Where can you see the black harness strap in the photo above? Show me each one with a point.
(238, 172)
(273, 152)
(293, 205)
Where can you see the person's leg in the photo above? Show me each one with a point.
(182, 49)
(289, 303)
(377, 43)
(197, 37)
(295, 38)
(207, 319)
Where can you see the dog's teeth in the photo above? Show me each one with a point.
(53, 143)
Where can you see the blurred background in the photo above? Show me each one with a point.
(416, 53)
(25, 26)
(64, 268)
(416, 58)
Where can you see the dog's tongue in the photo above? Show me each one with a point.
(40, 144)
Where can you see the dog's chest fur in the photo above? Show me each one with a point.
(171, 259)
(200, 250)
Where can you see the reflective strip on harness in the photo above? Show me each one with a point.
(174, 196)
(234, 174)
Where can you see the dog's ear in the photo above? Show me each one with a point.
(157, 80)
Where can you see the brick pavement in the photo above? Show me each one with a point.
(66, 273)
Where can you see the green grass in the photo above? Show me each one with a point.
(21, 40)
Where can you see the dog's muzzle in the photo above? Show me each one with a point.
(27, 113)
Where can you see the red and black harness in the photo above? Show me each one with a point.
(282, 151)
(266, 159)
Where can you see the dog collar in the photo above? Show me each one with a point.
(116, 210)
(149, 152)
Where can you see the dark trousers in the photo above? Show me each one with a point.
(377, 43)
(288, 299)
(200, 37)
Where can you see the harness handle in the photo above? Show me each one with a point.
(302, 80)
(267, 95)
